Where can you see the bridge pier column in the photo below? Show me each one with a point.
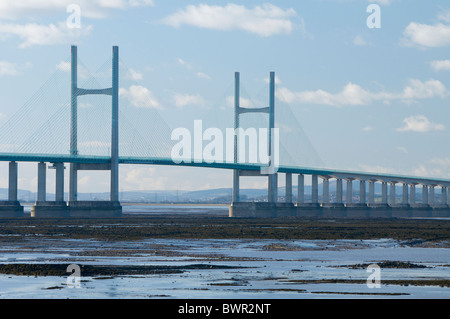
(301, 189)
(384, 200)
(405, 194)
(349, 191)
(73, 183)
(59, 189)
(448, 198)
(273, 188)
(412, 195)
(362, 192)
(42, 182)
(371, 192)
(339, 191)
(392, 193)
(12, 207)
(443, 196)
(314, 189)
(425, 195)
(12, 191)
(431, 195)
(326, 191)
(235, 195)
(288, 188)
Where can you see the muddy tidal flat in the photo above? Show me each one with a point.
(202, 256)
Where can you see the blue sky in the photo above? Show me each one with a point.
(369, 99)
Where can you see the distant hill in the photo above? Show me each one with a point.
(218, 195)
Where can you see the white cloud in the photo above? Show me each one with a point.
(182, 100)
(202, 75)
(402, 149)
(139, 96)
(189, 66)
(33, 33)
(265, 20)
(437, 167)
(430, 172)
(353, 94)
(420, 123)
(419, 90)
(359, 41)
(8, 68)
(37, 34)
(441, 161)
(440, 65)
(444, 16)
(367, 128)
(134, 75)
(17, 9)
(383, 2)
(66, 67)
(427, 36)
(144, 178)
(277, 80)
(185, 64)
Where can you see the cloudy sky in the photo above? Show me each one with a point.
(371, 92)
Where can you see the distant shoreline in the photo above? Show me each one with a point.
(173, 204)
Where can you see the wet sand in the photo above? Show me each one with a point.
(205, 256)
(137, 227)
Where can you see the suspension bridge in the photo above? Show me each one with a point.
(64, 137)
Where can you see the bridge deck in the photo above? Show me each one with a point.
(328, 173)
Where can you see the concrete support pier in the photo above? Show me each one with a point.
(440, 209)
(330, 208)
(286, 209)
(95, 209)
(359, 209)
(12, 207)
(50, 209)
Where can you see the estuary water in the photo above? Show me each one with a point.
(255, 268)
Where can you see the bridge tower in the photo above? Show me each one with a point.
(271, 208)
(110, 208)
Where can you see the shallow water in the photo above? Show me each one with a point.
(268, 274)
(271, 269)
